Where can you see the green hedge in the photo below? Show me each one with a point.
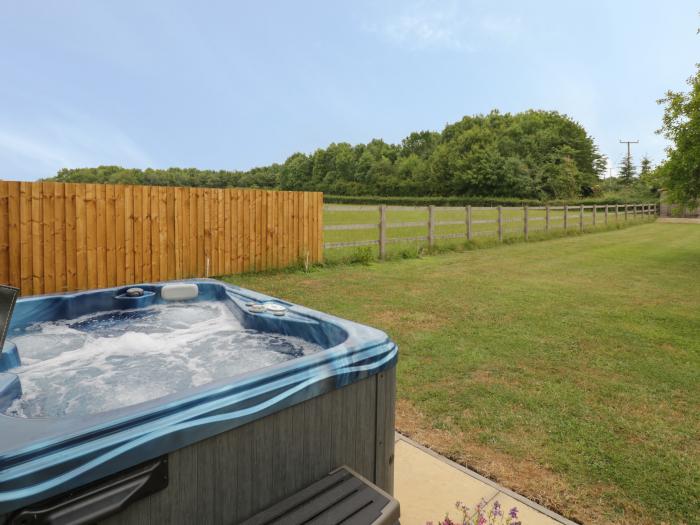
(474, 201)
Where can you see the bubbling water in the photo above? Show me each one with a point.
(110, 360)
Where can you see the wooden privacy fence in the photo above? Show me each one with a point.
(527, 219)
(61, 237)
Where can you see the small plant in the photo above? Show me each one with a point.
(362, 255)
(482, 515)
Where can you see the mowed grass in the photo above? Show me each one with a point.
(568, 370)
(483, 233)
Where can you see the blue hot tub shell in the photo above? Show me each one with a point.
(44, 457)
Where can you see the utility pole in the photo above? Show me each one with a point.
(628, 142)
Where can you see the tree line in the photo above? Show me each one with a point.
(531, 155)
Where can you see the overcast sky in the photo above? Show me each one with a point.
(228, 85)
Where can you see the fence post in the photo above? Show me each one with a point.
(431, 225)
(382, 231)
(580, 218)
(566, 216)
(617, 213)
(595, 211)
(469, 222)
(634, 212)
(500, 223)
(606, 214)
(626, 209)
(525, 232)
(546, 218)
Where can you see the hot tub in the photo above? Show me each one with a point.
(183, 402)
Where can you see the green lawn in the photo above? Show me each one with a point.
(569, 370)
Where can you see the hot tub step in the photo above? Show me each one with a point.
(343, 496)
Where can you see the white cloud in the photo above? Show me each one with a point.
(67, 139)
(451, 25)
(421, 30)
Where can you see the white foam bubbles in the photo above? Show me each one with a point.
(115, 359)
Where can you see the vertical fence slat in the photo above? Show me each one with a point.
(129, 234)
(71, 240)
(193, 256)
(201, 256)
(281, 238)
(525, 224)
(227, 231)
(207, 232)
(91, 229)
(26, 244)
(13, 208)
(307, 225)
(246, 241)
(546, 218)
(221, 229)
(81, 236)
(146, 235)
(163, 233)
(4, 233)
(171, 245)
(101, 235)
(59, 239)
(319, 196)
(120, 229)
(137, 211)
(47, 227)
(297, 227)
(312, 225)
(111, 233)
(155, 233)
(239, 230)
(37, 240)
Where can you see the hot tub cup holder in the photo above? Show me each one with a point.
(125, 300)
(269, 307)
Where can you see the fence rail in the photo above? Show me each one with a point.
(555, 217)
(62, 237)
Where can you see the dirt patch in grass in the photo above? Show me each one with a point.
(523, 475)
(394, 320)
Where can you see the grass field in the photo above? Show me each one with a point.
(483, 233)
(568, 370)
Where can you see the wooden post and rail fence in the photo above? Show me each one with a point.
(566, 215)
(57, 237)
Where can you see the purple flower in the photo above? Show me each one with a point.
(513, 512)
(497, 509)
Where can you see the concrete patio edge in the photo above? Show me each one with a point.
(522, 499)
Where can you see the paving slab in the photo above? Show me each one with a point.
(427, 486)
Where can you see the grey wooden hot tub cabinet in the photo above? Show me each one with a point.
(232, 476)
